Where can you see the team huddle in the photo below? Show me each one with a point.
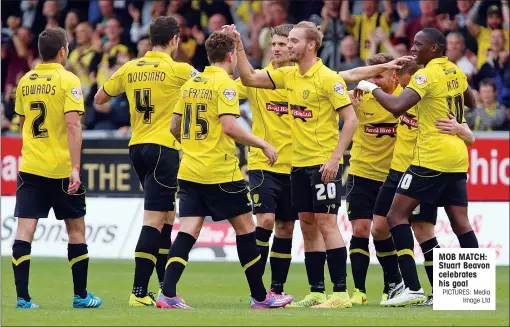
(408, 158)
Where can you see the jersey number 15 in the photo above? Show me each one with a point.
(201, 122)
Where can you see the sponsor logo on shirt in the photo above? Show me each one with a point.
(409, 120)
(230, 94)
(281, 108)
(382, 129)
(300, 112)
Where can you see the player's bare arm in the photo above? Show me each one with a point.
(74, 140)
(101, 97)
(175, 126)
(248, 75)
(330, 168)
(397, 105)
(232, 129)
(21, 123)
(451, 126)
(360, 73)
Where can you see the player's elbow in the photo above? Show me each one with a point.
(73, 127)
(101, 97)
(228, 125)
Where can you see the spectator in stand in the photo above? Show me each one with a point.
(81, 57)
(497, 66)
(401, 45)
(187, 45)
(199, 58)
(490, 115)
(460, 24)
(52, 13)
(71, 22)
(140, 28)
(378, 38)
(455, 51)
(361, 26)
(275, 13)
(334, 32)
(143, 46)
(19, 55)
(350, 58)
(496, 19)
(32, 17)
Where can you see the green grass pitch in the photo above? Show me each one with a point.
(219, 294)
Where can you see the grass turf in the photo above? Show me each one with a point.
(219, 294)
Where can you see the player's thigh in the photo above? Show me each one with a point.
(156, 167)
(386, 193)
(424, 212)
(401, 209)
(228, 200)
(192, 225)
(242, 224)
(192, 200)
(423, 184)
(65, 205)
(32, 196)
(361, 197)
(75, 230)
(380, 229)
(301, 191)
(263, 192)
(26, 229)
(455, 191)
(284, 210)
(326, 197)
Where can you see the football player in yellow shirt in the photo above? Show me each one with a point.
(438, 172)
(210, 181)
(152, 85)
(270, 185)
(49, 102)
(371, 153)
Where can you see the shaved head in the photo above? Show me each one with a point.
(435, 36)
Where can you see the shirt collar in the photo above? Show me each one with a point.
(318, 65)
(437, 61)
(215, 69)
(48, 66)
(157, 54)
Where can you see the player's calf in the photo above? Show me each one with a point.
(263, 231)
(21, 249)
(360, 258)
(281, 255)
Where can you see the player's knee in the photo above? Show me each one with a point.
(462, 227)
(361, 227)
(26, 229)
(170, 217)
(423, 231)
(380, 231)
(154, 219)
(243, 224)
(284, 229)
(265, 220)
(326, 222)
(76, 230)
(394, 219)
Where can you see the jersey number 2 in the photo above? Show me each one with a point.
(37, 131)
(143, 104)
(199, 121)
(456, 101)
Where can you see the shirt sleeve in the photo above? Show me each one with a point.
(336, 91)
(115, 84)
(74, 96)
(179, 106)
(241, 89)
(420, 82)
(228, 100)
(18, 107)
(185, 71)
(277, 76)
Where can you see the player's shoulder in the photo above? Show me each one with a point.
(183, 69)
(329, 75)
(424, 75)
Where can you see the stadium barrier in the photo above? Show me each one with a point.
(113, 226)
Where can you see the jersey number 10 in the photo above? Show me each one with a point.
(456, 101)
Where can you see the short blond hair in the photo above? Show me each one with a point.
(312, 32)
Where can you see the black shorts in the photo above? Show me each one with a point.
(156, 167)
(361, 195)
(424, 212)
(220, 201)
(36, 195)
(310, 194)
(438, 188)
(271, 193)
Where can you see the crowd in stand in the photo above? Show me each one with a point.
(104, 34)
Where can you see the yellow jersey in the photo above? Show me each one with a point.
(484, 44)
(209, 155)
(314, 99)
(361, 29)
(441, 86)
(80, 62)
(152, 85)
(103, 69)
(374, 140)
(44, 95)
(407, 132)
(272, 123)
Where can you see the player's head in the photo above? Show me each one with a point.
(220, 47)
(305, 39)
(494, 17)
(279, 43)
(429, 43)
(406, 71)
(164, 33)
(387, 80)
(53, 45)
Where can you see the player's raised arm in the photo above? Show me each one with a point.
(248, 75)
(362, 73)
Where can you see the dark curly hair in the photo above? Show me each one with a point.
(218, 45)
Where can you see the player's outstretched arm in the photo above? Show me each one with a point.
(101, 97)
(74, 140)
(397, 105)
(232, 129)
(175, 126)
(249, 77)
(360, 73)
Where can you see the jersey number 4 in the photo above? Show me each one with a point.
(201, 122)
(456, 101)
(37, 130)
(143, 104)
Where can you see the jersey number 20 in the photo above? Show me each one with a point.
(329, 189)
(199, 121)
(144, 105)
(37, 130)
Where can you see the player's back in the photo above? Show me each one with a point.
(209, 155)
(441, 86)
(152, 85)
(44, 95)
